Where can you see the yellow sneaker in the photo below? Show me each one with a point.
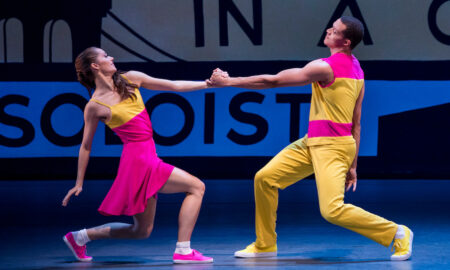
(403, 246)
(251, 251)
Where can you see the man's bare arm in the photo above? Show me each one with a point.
(315, 71)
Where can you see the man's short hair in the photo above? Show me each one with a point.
(354, 30)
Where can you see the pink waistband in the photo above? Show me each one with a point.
(327, 128)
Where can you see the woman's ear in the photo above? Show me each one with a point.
(95, 66)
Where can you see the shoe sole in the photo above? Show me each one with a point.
(407, 256)
(73, 251)
(192, 262)
(254, 255)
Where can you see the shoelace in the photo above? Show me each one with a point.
(397, 245)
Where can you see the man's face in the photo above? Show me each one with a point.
(335, 37)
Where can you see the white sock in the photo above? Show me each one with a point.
(183, 248)
(400, 232)
(81, 237)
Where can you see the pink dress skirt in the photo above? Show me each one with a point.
(141, 172)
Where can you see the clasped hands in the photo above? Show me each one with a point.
(219, 78)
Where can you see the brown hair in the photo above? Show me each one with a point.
(87, 78)
(354, 30)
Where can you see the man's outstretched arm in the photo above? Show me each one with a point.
(315, 71)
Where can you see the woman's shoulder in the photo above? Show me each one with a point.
(94, 108)
(133, 76)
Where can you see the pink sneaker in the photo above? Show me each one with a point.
(194, 257)
(78, 251)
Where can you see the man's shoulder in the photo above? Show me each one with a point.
(319, 65)
(320, 61)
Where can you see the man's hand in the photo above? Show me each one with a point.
(351, 180)
(218, 78)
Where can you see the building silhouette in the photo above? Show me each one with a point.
(83, 17)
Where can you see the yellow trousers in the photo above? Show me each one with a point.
(330, 163)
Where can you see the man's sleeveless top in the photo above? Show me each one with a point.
(332, 105)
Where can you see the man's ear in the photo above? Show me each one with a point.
(347, 42)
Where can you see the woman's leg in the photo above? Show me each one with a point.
(181, 181)
(142, 227)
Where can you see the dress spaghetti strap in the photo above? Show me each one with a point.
(101, 103)
(123, 76)
(136, 89)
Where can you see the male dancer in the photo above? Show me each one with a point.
(329, 150)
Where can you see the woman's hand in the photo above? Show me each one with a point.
(75, 190)
(218, 78)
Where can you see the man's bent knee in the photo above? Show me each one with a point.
(331, 214)
(260, 176)
(263, 178)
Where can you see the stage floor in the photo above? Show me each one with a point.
(33, 223)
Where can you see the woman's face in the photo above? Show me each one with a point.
(104, 63)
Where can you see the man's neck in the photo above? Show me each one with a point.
(340, 50)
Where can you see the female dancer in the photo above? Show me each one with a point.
(116, 101)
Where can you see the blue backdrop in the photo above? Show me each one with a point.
(226, 132)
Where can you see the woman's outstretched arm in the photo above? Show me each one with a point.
(148, 82)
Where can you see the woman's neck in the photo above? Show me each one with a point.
(104, 82)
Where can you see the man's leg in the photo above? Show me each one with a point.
(292, 164)
(331, 164)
